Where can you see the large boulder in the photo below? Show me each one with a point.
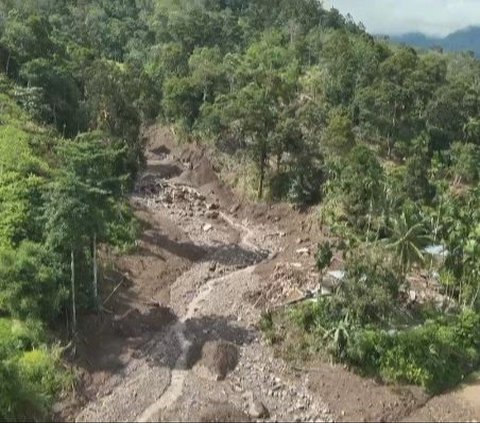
(218, 359)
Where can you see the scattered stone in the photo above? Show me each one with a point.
(234, 208)
(213, 206)
(226, 412)
(256, 408)
(167, 198)
(304, 251)
(413, 296)
(207, 227)
(212, 214)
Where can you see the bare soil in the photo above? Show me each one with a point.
(207, 265)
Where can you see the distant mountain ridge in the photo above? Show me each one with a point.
(467, 39)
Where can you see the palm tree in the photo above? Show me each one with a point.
(408, 238)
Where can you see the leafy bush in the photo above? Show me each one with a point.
(351, 326)
(370, 289)
(123, 230)
(465, 159)
(30, 374)
(40, 368)
(30, 282)
(19, 336)
(17, 403)
(436, 355)
(324, 255)
(305, 184)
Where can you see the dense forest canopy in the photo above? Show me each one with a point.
(385, 138)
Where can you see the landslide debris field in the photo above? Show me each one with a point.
(179, 338)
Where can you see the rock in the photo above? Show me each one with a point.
(212, 214)
(213, 266)
(256, 408)
(234, 208)
(207, 227)
(218, 359)
(413, 296)
(221, 412)
(304, 251)
(213, 206)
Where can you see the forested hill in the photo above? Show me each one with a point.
(466, 40)
(385, 138)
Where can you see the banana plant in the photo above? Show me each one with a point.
(409, 235)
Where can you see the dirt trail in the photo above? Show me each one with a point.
(174, 391)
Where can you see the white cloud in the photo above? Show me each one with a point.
(433, 17)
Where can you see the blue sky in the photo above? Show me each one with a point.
(433, 17)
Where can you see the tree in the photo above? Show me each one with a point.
(266, 82)
(338, 138)
(465, 159)
(30, 282)
(445, 116)
(81, 200)
(370, 290)
(361, 186)
(60, 95)
(408, 237)
(110, 90)
(206, 71)
(416, 183)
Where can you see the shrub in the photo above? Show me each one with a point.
(18, 336)
(465, 161)
(436, 355)
(123, 230)
(30, 373)
(30, 282)
(324, 255)
(40, 368)
(370, 289)
(17, 402)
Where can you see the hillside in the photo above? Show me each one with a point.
(203, 205)
(465, 40)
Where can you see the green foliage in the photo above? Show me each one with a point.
(339, 138)
(313, 106)
(416, 183)
(324, 255)
(123, 229)
(267, 326)
(465, 159)
(30, 374)
(359, 186)
(436, 355)
(370, 289)
(30, 282)
(408, 236)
